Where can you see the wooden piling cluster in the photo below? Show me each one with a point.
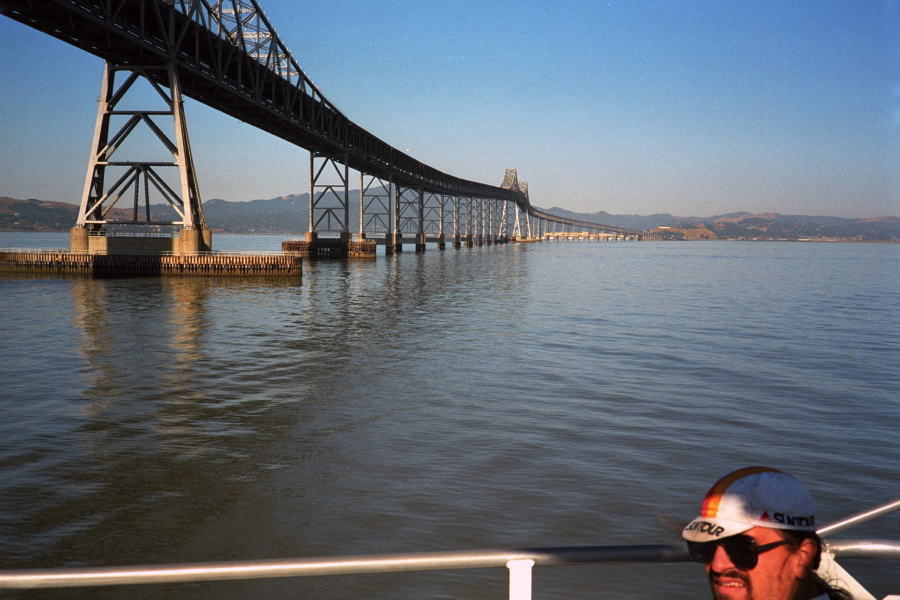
(125, 265)
(329, 248)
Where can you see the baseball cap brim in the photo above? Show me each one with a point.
(705, 529)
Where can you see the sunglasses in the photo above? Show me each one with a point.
(741, 549)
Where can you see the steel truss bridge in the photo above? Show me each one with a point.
(227, 55)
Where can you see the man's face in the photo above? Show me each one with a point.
(774, 577)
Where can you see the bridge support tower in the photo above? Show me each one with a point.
(329, 212)
(108, 181)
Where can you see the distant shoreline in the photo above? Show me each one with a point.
(270, 217)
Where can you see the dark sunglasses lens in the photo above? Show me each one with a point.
(740, 549)
(702, 552)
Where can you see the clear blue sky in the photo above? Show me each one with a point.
(693, 108)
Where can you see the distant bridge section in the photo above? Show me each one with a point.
(511, 181)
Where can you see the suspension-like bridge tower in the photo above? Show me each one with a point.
(227, 55)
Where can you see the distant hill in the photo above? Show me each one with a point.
(289, 215)
(790, 227)
(42, 215)
(748, 226)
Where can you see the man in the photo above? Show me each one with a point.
(756, 534)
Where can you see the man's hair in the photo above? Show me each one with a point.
(814, 585)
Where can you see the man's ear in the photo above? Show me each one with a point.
(804, 557)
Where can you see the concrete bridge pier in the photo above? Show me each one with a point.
(420, 242)
(78, 240)
(393, 243)
(191, 241)
(389, 243)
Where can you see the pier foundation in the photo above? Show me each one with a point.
(319, 247)
(189, 241)
(134, 265)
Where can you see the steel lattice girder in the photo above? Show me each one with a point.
(374, 205)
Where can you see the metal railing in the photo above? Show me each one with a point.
(133, 234)
(35, 250)
(519, 562)
(148, 253)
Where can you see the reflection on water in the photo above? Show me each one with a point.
(144, 448)
(444, 400)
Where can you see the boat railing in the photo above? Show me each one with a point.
(519, 562)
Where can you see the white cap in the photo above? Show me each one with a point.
(752, 497)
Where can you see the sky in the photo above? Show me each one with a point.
(692, 108)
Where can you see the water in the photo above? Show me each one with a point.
(523, 395)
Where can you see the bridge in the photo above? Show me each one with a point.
(227, 55)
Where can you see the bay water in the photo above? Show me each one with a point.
(521, 395)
